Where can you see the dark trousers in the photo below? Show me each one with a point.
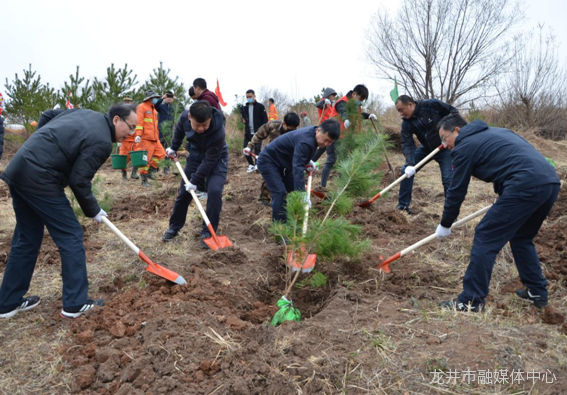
(215, 186)
(279, 182)
(331, 151)
(33, 213)
(443, 158)
(257, 148)
(516, 217)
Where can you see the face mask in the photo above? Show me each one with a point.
(250, 100)
(154, 100)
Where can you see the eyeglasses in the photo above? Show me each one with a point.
(444, 138)
(132, 128)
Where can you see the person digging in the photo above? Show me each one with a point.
(67, 151)
(271, 131)
(203, 127)
(283, 162)
(527, 186)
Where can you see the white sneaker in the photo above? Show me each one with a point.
(250, 169)
(80, 310)
(201, 195)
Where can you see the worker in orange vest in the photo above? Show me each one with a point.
(126, 146)
(272, 110)
(325, 106)
(147, 136)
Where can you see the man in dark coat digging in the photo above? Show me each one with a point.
(65, 151)
(528, 187)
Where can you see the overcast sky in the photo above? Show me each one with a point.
(298, 47)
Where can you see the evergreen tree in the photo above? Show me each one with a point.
(29, 97)
(81, 95)
(160, 81)
(117, 84)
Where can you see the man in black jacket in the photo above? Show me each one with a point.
(203, 127)
(528, 187)
(421, 118)
(67, 150)
(253, 117)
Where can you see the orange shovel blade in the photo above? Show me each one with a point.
(161, 271)
(320, 195)
(223, 242)
(294, 260)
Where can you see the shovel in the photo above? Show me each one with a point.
(403, 177)
(294, 257)
(385, 265)
(152, 267)
(214, 242)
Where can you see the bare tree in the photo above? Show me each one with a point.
(282, 101)
(443, 49)
(534, 93)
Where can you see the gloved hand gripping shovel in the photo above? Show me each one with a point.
(151, 266)
(295, 257)
(214, 242)
(403, 177)
(385, 264)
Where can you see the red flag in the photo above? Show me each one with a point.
(69, 105)
(219, 95)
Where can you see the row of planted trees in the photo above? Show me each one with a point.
(28, 96)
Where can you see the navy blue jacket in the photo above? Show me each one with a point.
(423, 123)
(293, 151)
(67, 150)
(165, 112)
(208, 147)
(494, 155)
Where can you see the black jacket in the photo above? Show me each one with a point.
(423, 123)
(48, 115)
(66, 151)
(208, 147)
(493, 155)
(293, 151)
(260, 116)
(1, 136)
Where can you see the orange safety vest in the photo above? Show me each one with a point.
(272, 113)
(326, 113)
(346, 99)
(147, 125)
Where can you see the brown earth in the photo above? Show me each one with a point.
(362, 332)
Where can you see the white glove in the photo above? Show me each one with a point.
(246, 151)
(138, 139)
(101, 213)
(442, 231)
(170, 153)
(347, 124)
(306, 200)
(118, 144)
(311, 167)
(327, 102)
(190, 187)
(410, 171)
(372, 116)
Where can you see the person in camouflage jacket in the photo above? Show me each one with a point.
(271, 131)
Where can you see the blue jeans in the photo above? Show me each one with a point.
(443, 158)
(215, 185)
(279, 181)
(516, 217)
(33, 213)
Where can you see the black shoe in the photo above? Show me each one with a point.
(124, 175)
(74, 312)
(169, 235)
(404, 208)
(152, 173)
(27, 304)
(166, 171)
(264, 202)
(538, 301)
(145, 182)
(454, 304)
(134, 175)
(204, 236)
